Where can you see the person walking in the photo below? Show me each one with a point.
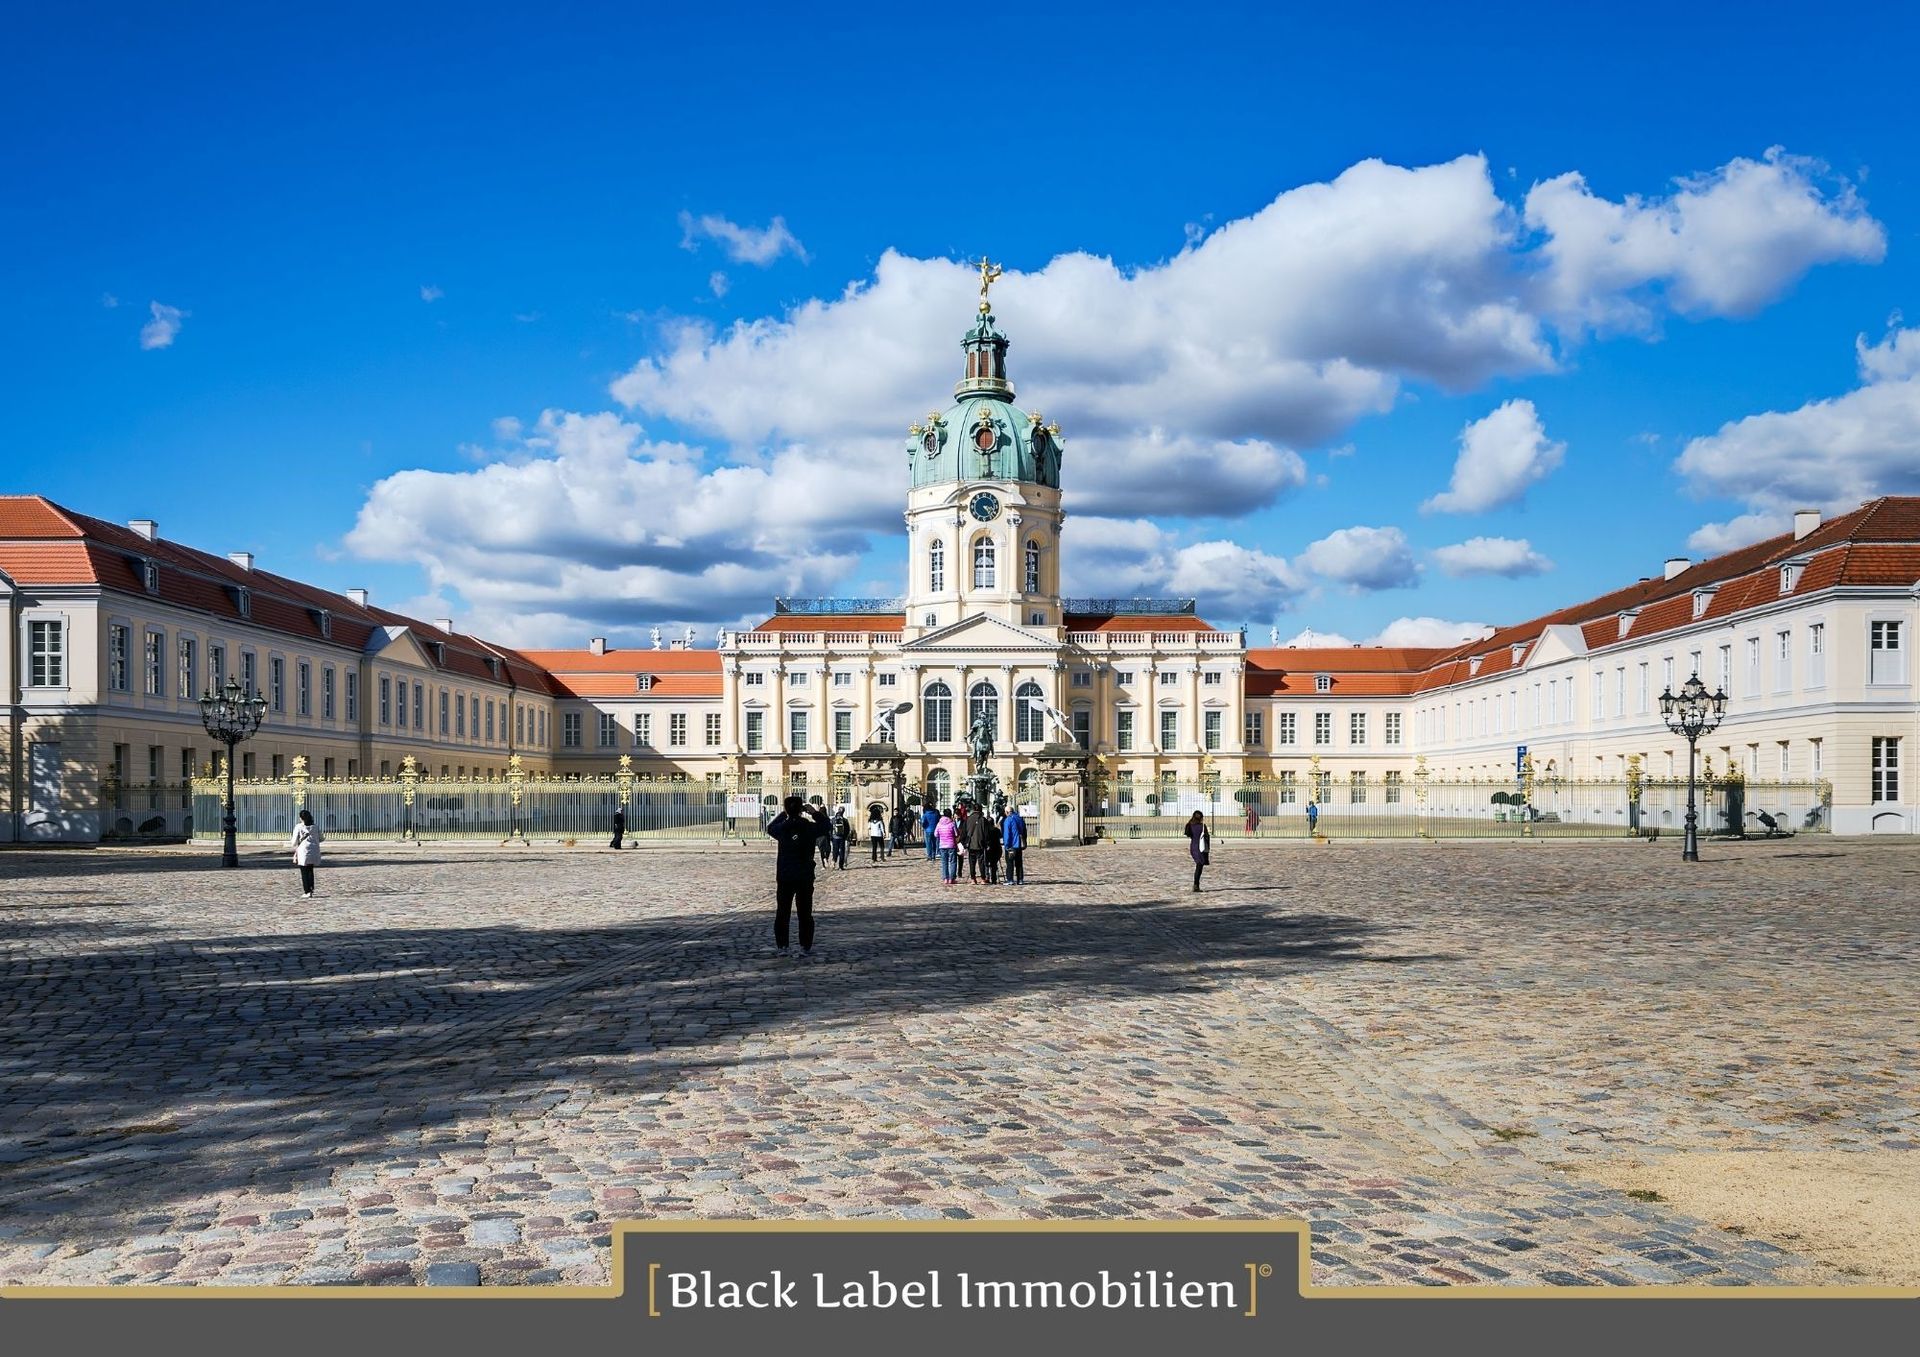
(619, 826)
(1253, 819)
(876, 836)
(929, 823)
(842, 837)
(797, 829)
(826, 840)
(306, 851)
(1313, 817)
(946, 834)
(1013, 839)
(979, 832)
(1198, 844)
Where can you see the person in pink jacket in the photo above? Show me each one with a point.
(946, 836)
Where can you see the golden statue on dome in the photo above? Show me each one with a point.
(989, 273)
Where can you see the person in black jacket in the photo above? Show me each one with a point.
(798, 829)
(619, 828)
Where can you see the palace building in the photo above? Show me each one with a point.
(113, 632)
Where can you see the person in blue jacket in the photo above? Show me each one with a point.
(1013, 838)
(929, 817)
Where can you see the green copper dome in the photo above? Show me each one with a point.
(982, 436)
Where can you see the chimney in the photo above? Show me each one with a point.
(597, 646)
(1804, 522)
(146, 527)
(445, 624)
(1676, 564)
(359, 597)
(243, 559)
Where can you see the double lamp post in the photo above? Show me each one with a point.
(231, 715)
(1691, 713)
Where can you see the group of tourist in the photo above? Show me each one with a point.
(987, 839)
(993, 844)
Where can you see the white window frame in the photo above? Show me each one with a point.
(1886, 672)
(46, 666)
(1884, 770)
(153, 662)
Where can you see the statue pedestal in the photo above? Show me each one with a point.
(875, 773)
(1062, 795)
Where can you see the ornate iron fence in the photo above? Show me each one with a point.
(518, 806)
(1418, 807)
(147, 810)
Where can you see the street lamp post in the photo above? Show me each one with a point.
(231, 715)
(1690, 714)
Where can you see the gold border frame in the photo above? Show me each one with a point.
(625, 1229)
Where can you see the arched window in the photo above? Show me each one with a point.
(1029, 723)
(983, 699)
(983, 563)
(1033, 567)
(936, 714)
(940, 789)
(937, 566)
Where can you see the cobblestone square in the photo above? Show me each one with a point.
(461, 1064)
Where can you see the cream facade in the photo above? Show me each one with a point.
(106, 660)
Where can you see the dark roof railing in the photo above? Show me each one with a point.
(835, 607)
(1130, 607)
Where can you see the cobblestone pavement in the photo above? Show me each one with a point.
(460, 1064)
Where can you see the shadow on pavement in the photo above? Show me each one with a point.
(144, 1072)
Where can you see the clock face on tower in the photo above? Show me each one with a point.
(984, 506)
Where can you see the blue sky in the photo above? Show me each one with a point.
(444, 303)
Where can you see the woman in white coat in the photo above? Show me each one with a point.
(306, 851)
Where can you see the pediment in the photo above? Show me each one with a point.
(981, 633)
(1560, 642)
(398, 645)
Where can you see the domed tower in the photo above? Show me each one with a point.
(983, 510)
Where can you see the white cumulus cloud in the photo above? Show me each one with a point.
(1428, 631)
(1722, 244)
(584, 522)
(1509, 556)
(1366, 558)
(159, 332)
(430, 293)
(759, 246)
(1828, 454)
(1229, 582)
(1187, 388)
(1501, 455)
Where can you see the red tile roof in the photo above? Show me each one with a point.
(624, 685)
(1355, 671)
(627, 661)
(41, 543)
